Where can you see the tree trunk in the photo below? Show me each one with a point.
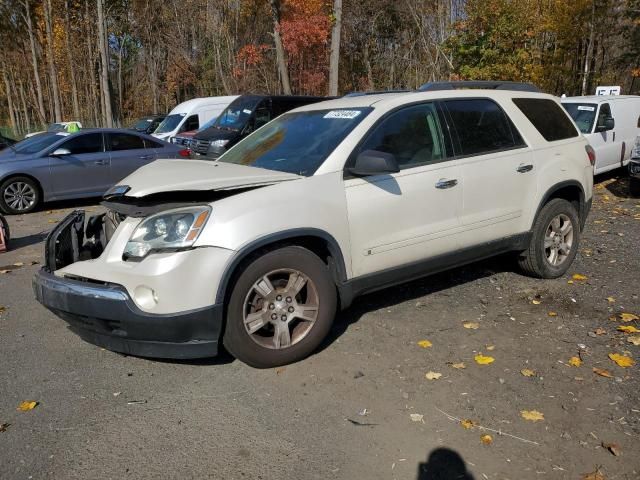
(587, 56)
(53, 74)
(7, 86)
(104, 70)
(283, 71)
(334, 58)
(27, 117)
(72, 73)
(34, 62)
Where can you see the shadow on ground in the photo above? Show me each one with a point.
(443, 464)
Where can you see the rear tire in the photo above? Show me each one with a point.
(555, 241)
(281, 308)
(19, 195)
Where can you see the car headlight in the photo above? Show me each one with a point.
(218, 143)
(170, 230)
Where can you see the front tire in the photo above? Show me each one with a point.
(555, 241)
(19, 195)
(6, 233)
(281, 308)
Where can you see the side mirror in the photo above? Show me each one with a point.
(608, 124)
(374, 162)
(61, 152)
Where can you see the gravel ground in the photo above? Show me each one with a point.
(361, 407)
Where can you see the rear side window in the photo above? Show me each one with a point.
(548, 118)
(151, 144)
(124, 141)
(89, 143)
(482, 127)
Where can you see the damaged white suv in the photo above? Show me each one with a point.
(259, 249)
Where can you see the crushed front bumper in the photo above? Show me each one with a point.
(104, 314)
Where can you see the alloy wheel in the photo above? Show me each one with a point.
(558, 239)
(19, 196)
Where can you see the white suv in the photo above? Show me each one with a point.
(258, 249)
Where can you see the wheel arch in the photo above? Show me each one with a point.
(570, 190)
(317, 241)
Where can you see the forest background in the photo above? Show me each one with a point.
(108, 62)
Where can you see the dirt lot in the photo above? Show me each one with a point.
(361, 408)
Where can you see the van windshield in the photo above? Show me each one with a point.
(170, 123)
(236, 115)
(583, 114)
(296, 142)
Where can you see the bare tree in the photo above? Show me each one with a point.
(53, 74)
(34, 61)
(104, 66)
(281, 60)
(334, 56)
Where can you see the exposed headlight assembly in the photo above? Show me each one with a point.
(167, 231)
(218, 143)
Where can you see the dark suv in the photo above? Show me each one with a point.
(244, 115)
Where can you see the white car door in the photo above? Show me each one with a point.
(409, 216)
(606, 144)
(498, 170)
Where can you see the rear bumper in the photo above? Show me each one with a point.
(584, 213)
(105, 315)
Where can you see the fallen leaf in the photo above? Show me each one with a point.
(18, 264)
(491, 348)
(280, 370)
(425, 343)
(628, 329)
(552, 314)
(416, 417)
(459, 366)
(528, 372)
(575, 362)
(4, 426)
(2, 308)
(467, 423)
(532, 415)
(602, 372)
(597, 475)
(471, 325)
(483, 360)
(614, 448)
(622, 360)
(432, 375)
(634, 340)
(486, 439)
(600, 331)
(27, 405)
(570, 282)
(579, 277)
(627, 317)
(611, 299)
(536, 302)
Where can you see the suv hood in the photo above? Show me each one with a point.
(198, 175)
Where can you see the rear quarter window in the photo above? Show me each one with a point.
(548, 118)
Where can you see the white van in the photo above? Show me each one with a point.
(190, 115)
(610, 123)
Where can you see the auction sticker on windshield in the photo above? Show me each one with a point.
(586, 108)
(348, 114)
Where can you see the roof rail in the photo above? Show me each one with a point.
(479, 84)
(375, 92)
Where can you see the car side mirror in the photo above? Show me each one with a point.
(61, 152)
(608, 124)
(374, 162)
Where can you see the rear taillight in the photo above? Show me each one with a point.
(185, 153)
(591, 154)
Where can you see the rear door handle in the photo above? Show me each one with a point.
(146, 157)
(101, 162)
(444, 183)
(524, 168)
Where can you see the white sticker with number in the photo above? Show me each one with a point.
(585, 108)
(348, 114)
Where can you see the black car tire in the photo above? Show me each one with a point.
(634, 186)
(534, 260)
(237, 339)
(5, 208)
(5, 230)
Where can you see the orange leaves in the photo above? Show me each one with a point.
(425, 343)
(27, 405)
(602, 372)
(575, 362)
(532, 415)
(483, 360)
(622, 360)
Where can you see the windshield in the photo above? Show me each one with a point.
(37, 143)
(583, 114)
(170, 123)
(296, 142)
(236, 115)
(143, 124)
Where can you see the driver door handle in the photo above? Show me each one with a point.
(524, 168)
(101, 162)
(446, 183)
(145, 157)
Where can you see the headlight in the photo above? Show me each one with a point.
(218, 143)
(168, 230)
